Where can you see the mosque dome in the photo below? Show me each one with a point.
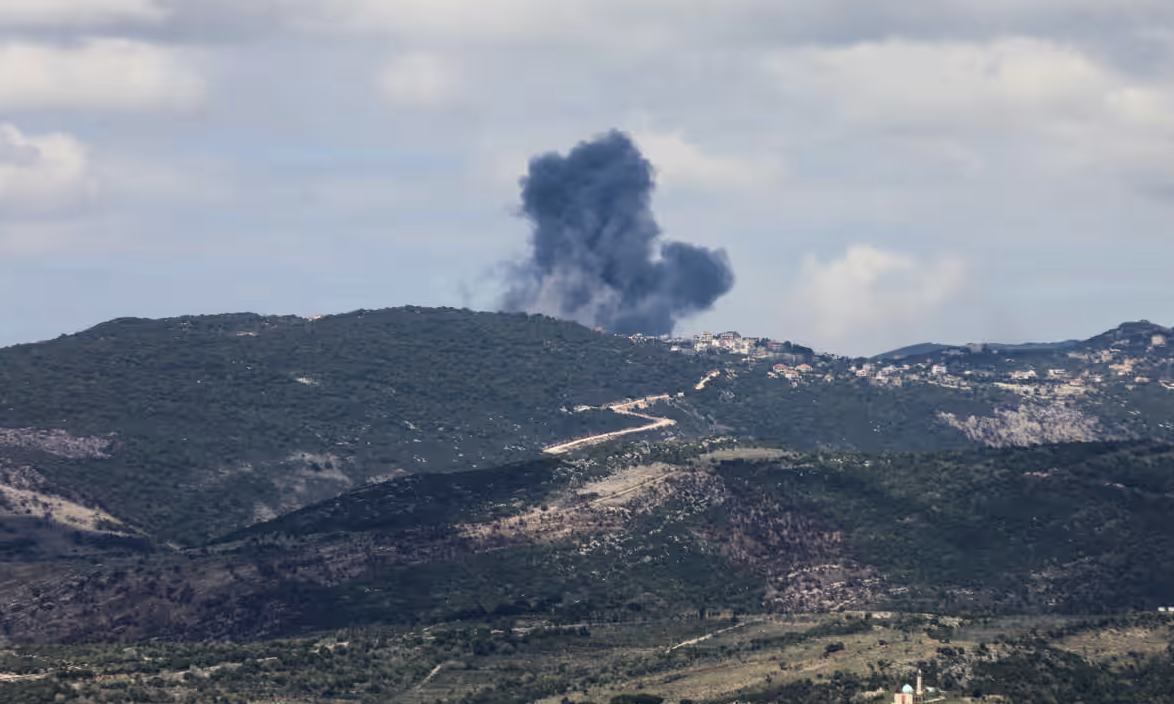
(907, 689)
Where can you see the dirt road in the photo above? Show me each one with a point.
(625, 408)
(705, 380)
(707, 636)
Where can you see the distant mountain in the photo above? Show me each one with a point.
(921, 349)
(1140, 333)
(931, 348)
(1034, 346)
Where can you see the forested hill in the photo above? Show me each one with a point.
(659, 531)
(194, 427)
(190, 427)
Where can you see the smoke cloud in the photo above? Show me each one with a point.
(597, 256)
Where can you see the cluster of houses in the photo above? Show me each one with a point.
(959, 372)
(953, 367)
(792, 374)
(731, 342)
(931, 371)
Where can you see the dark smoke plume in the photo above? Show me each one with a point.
(595, 245)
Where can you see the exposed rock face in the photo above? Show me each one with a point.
(57, 442)
(1029, 425)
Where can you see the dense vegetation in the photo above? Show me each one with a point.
(380, 471)
(220, 419)
(200, 425)
(1077, 528)
(1080, 527)
(851, 415)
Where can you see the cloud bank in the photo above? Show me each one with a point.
(872, 292)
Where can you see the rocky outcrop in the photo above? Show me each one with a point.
(57, 442)
(1028, 425)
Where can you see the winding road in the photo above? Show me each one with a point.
(625, 407)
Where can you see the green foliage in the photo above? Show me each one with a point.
(1037, 673)
(215, 415)
(422, 500)
(1079, 527)
(845, 415)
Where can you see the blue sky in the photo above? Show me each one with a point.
(880, 173)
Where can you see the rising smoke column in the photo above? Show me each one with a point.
(596, 252)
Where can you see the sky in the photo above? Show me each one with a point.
(879, 173)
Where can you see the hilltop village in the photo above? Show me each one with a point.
(1133, 354)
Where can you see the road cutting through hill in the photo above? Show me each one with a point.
(625, 407)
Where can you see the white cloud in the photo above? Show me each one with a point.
(34, 13)
(915, 85)
(679, 161)
(419, 80)
(1043, 103)
(41, 173)
(439, 20)
(873, 294)
(642, 25)
(115, 74)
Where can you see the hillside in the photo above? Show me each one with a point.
(1117, 385)
(930, 348)
(659, 531)
(244, 477)
(184, 429)
(191, 427)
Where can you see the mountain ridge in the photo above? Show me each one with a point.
(250, 476)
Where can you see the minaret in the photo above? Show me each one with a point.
(918, 694)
